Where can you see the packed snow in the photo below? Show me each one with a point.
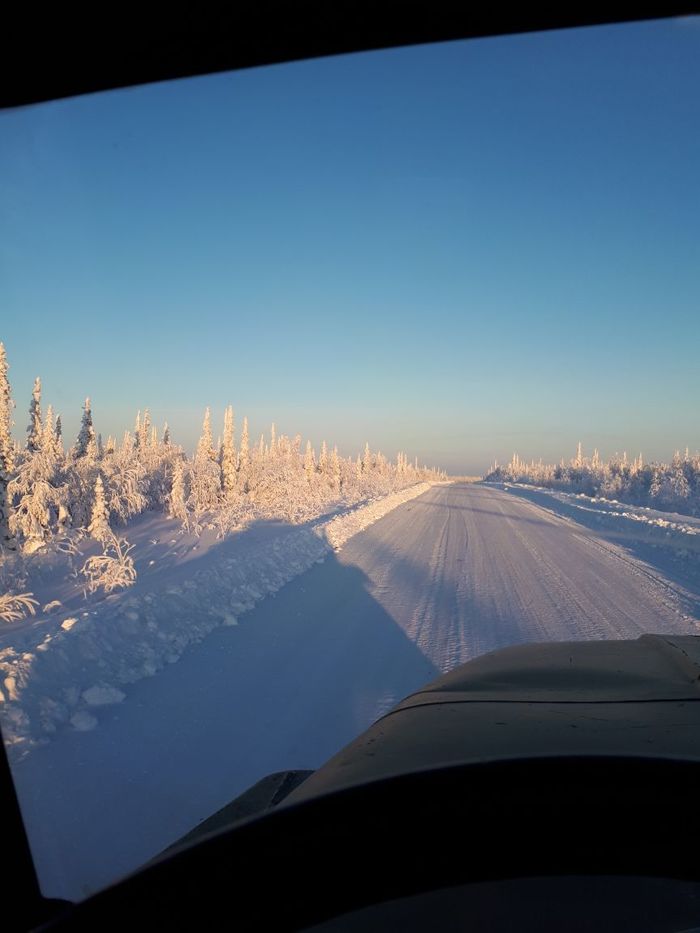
(676, 535)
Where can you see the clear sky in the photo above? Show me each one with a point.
(458, 250)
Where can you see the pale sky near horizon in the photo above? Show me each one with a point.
(459, 250)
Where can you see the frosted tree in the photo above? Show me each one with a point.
(126, 481)
(228, 457)
(244, 458)
(323, 458)
(367, 460)
(335, 467)
(34, 430)
(99, 527)
(58, 436)
(143, 432)
(6, 406)
(244, 452)
(309, 462)
(7, 539)
(273, 441)
(47, 431)
(166, 435)
(86, 445)
(38, 496)
(205, 475)
(177, 507)
(205, 445)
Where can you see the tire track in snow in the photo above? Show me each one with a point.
(489, 570)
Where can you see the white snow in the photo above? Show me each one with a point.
(136, 633)
(83, 721)
(102, 695)
(622, 520)
(455, 571)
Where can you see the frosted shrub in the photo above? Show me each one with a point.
(229, 519)
(112, 570)
(16, 606)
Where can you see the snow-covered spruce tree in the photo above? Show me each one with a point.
(143, 432)
(244, 450)
(34, 429)
(81, 470)
(229, 476)
(177, 507)
(309, 462)
(126, 481)
(335, 467)
(38, 495)
(243, 459)
(6, 406)
(47, 430)
(323, 458)
(99, 527)
(143, 467)
(86, 445)
(166, 435)
(205, 473)
(205, 444)
(58, 437)
(7, 539)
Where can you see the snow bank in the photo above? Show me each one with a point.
(62, 672)
(680, 533)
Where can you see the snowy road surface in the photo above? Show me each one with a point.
(459, 571)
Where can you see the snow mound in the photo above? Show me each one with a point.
(102, 695)
(680, 533)
(83, 721)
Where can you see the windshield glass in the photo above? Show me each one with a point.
(318, 380)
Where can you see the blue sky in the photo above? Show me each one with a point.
(458, 250)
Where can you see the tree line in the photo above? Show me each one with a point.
(673, 486)
(49, 490)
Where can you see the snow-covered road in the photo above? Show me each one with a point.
(459, 571)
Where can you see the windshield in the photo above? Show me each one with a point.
(321, 379)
